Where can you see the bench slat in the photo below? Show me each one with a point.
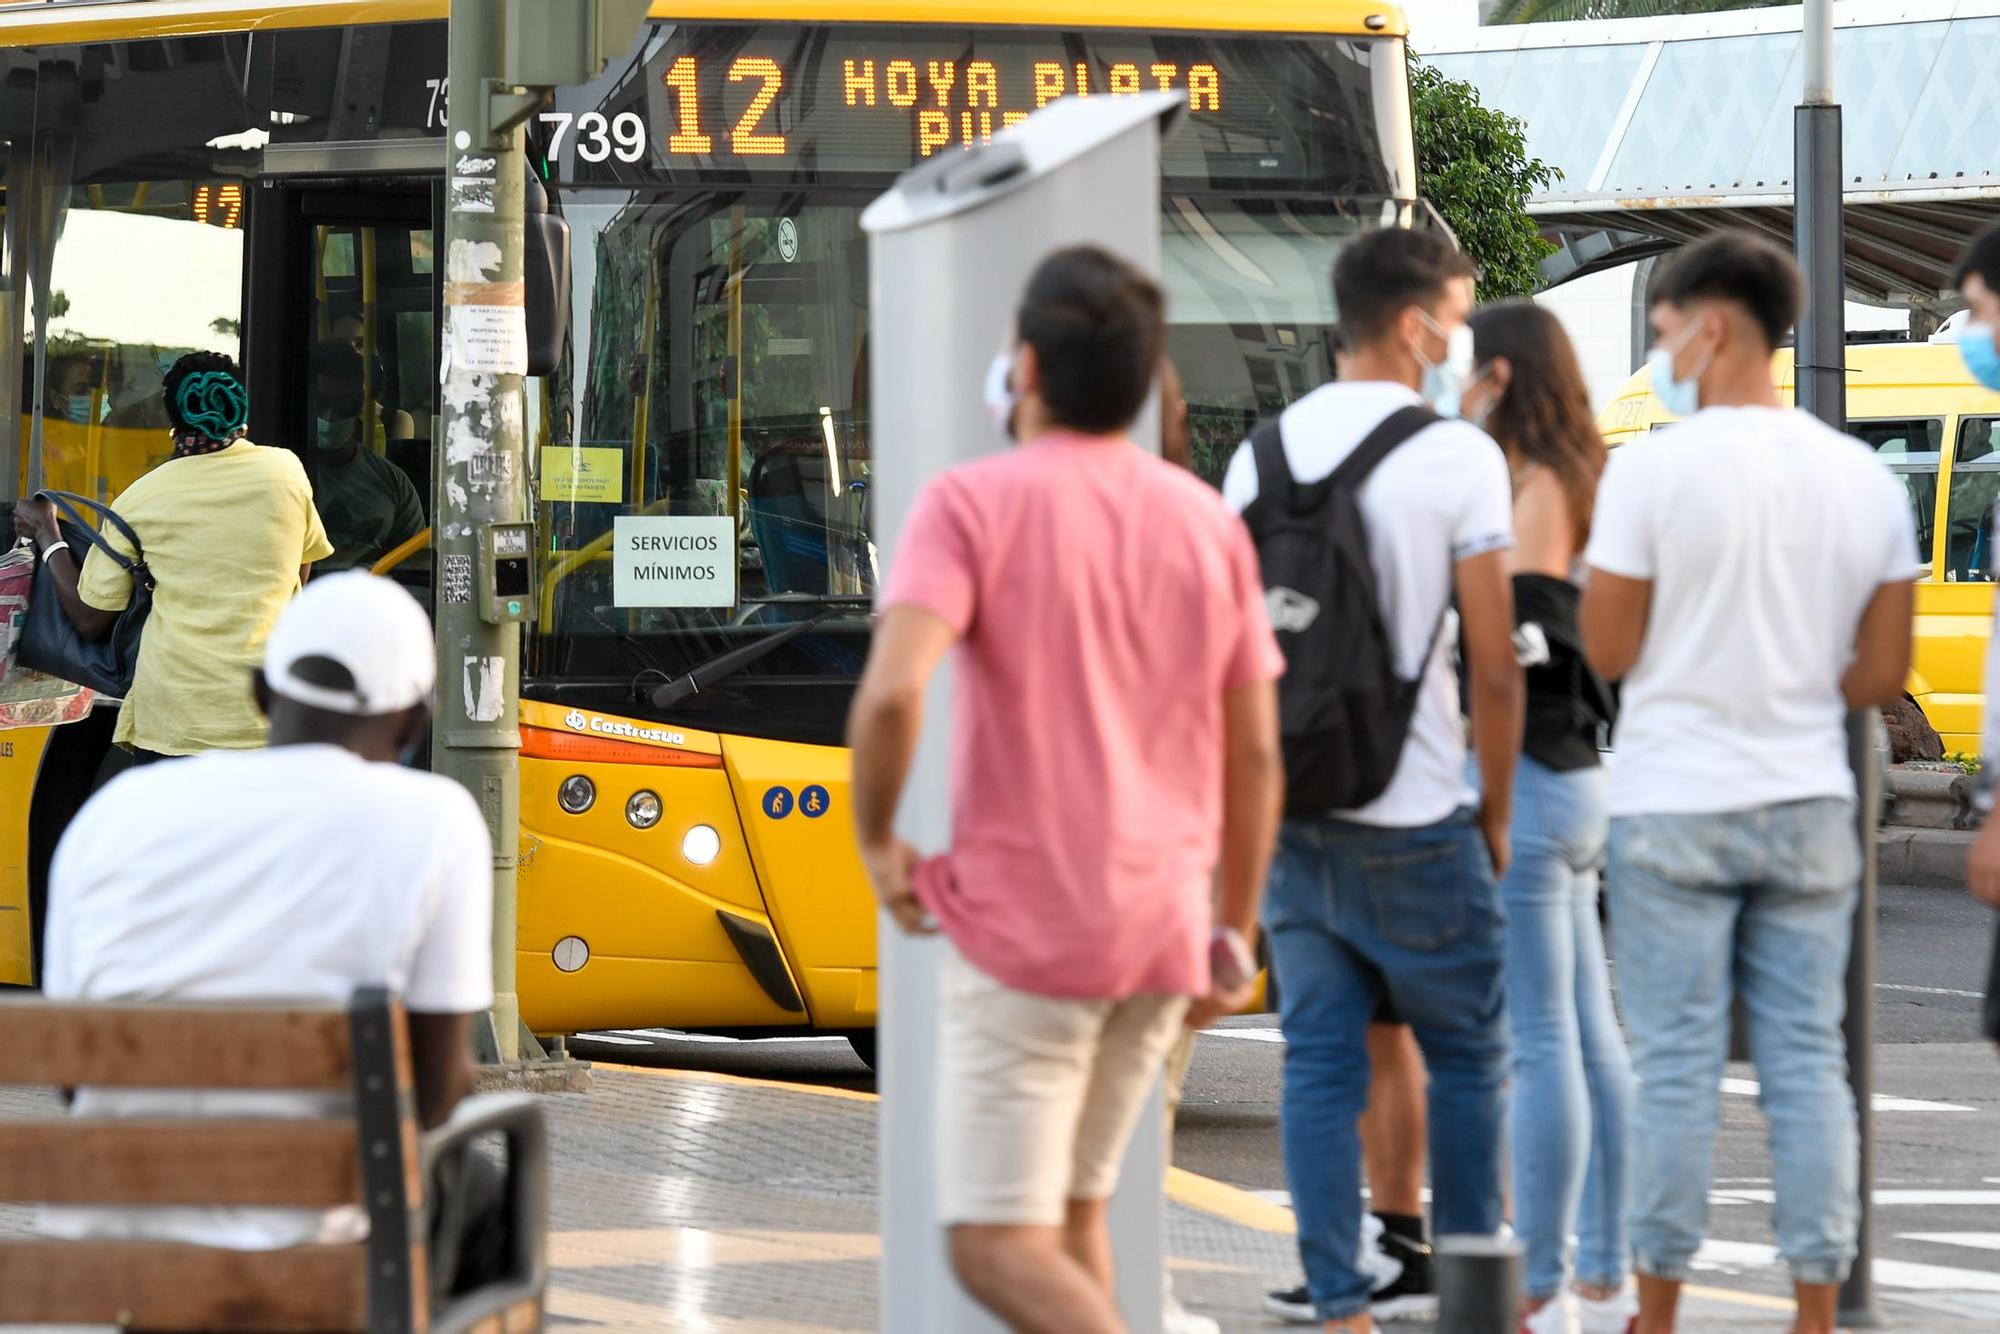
(160, 1046)
(301, 1164)
(169, 1286)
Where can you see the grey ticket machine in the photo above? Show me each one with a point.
(950, 249)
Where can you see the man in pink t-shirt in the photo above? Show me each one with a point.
(1115, 742)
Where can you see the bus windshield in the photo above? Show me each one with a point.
(718, 372)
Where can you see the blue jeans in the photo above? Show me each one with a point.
(1759, 904)
(1354, 911)
(1572, 1092)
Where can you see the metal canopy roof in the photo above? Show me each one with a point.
(1665, 129)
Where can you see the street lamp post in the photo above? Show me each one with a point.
(1820, 362)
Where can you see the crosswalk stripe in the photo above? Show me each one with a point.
(1978, 1241)
(1884, 1197)
(1882, 1102)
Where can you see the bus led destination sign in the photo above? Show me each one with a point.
(806, 101)
(944, 102)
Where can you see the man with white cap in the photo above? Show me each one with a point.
(297, 872)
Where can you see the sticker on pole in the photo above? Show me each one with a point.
(472, 183)
(489, 340)
(673, 561)
(581, 475)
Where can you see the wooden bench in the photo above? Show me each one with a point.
(376, 1157)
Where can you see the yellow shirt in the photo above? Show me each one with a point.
(225, 535)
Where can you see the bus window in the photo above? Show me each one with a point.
(718, 354)
(1975, 485)
(1249, 310)
(144, 272)
(1910, 448)
(372, 390)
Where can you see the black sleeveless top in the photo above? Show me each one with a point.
(1567, 702)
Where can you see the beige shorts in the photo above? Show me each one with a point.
(1039, 1094)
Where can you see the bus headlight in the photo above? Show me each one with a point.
(701, 845)
(643, 810)
(576, 794)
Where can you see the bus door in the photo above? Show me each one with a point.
(344, 300)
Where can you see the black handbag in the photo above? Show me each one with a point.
(50, 643)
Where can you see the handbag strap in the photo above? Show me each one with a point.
(72, 505)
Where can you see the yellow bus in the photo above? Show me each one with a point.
(1939, 432)
(267, 179)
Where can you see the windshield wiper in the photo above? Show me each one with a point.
(711, 670)
(810, 600)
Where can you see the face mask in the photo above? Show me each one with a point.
(1443, 384)
(76, 408)
(1975, 347)
(1479, 416)
(999, 393)
(336, 433)
(1681, 398)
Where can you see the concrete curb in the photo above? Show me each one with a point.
(1929, 858)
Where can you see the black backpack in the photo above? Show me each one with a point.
(1343, 711)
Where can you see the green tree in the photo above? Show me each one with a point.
(1473, 166)
(1554, 11)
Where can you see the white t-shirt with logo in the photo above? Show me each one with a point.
(289, 874)
(1440, 497)
(1764, 533)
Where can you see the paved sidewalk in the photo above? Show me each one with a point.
(692, 1201)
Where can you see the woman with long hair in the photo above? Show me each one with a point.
(1572, 1079)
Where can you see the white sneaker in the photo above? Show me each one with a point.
(1558, 1317)
(1180, 1320)
(1611, 1315)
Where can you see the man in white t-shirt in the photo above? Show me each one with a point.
(1399, 899)
(299, 872)
(1750, 581)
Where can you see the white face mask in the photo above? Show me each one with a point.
(1444, 381)
(999, 393)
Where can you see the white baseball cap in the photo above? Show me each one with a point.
(368, 625)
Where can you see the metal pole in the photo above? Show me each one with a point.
(1821, 379)
(478, 465)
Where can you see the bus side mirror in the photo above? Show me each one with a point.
(545, 271)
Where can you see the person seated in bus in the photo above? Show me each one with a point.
(395, 423)
(229, 534)
(72, 396)
(369, 504)
(193, 881)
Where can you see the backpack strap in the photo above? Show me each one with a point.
(1276, 486)
(1274, 476)
(1377, 445)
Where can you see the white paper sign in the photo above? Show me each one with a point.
(673, 561)
(491, 340)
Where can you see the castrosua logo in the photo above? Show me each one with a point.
(579, 721)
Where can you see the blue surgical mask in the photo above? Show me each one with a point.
(1981, 357)
(77, 408)
(1443, 384)
(334, 434)
(1681, 398)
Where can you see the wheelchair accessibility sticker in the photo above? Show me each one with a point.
(813, 801)
(778, 802)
